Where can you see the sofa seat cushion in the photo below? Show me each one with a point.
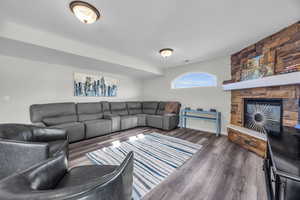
(83, 174)
(98, 127)
(142, 119)
(155, 121)
(52, 121)
(129, 121)
(74, 130)
(55, 147)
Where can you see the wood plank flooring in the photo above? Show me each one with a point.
(221, 170)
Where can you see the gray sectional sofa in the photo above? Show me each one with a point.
(88, 120)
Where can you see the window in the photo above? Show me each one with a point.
(196, 79)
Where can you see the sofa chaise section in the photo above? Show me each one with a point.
(59, 115)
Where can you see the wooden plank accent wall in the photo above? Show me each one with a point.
(281, 49)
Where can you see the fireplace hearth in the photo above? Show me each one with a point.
(263, 115)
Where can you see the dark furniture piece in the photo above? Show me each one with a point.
(282, 165)
(87, 120)
(22, 146)
(51, 180)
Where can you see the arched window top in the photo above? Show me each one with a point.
(194, 79)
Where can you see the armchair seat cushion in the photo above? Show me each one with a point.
(58, 146)
(98, 127)
(85, 174)
(129, 121)
(74, 130)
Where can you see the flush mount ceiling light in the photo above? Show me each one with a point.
(167, 52)
(85, 12)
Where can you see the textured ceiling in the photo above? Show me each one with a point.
(196, 29)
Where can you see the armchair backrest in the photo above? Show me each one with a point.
(47, 175)
(17, 132)
(31, 184)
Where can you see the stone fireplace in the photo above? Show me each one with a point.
(270, 103)
(263, 115)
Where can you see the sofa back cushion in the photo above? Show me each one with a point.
(118, 108)
(172, 107)
(149, 107)
(38, 112)
(134, 108)
(161, 108)
(89, 111)
(105, 107)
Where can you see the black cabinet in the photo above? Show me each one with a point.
(282, 165)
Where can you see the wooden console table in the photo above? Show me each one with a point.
(204, 115)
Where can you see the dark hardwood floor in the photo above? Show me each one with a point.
(221, 170)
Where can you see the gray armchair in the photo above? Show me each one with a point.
(22, 146)
(51, 180)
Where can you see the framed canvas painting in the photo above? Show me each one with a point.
(87, 85)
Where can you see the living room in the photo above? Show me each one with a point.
(150, 100)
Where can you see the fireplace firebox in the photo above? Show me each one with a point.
(263, 115)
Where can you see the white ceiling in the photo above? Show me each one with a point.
(196, 29)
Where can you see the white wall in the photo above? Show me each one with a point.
(206, 97)
(24, 82)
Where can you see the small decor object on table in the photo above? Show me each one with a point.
(214, 116)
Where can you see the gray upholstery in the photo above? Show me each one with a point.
(87, 120)
(149, 107)
(155, 121)
(105, 107)
(115, 121)
(75, 130)
(89, 111)
(22, 146)
(40, 111)
(161, 108)
(142, 119)
(129, 121)
(170, 121)
(97, 127)
(134, 108)
(51, 121)
(51, 180)
(118, 108)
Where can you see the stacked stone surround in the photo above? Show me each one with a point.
(281, 49)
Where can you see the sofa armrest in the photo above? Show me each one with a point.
(49, 134)
(39, 124)
(170, 121)
(19, 155)
(115, 121)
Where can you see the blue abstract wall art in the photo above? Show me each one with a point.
(87, 85)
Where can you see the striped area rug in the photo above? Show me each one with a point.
(156, 156)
